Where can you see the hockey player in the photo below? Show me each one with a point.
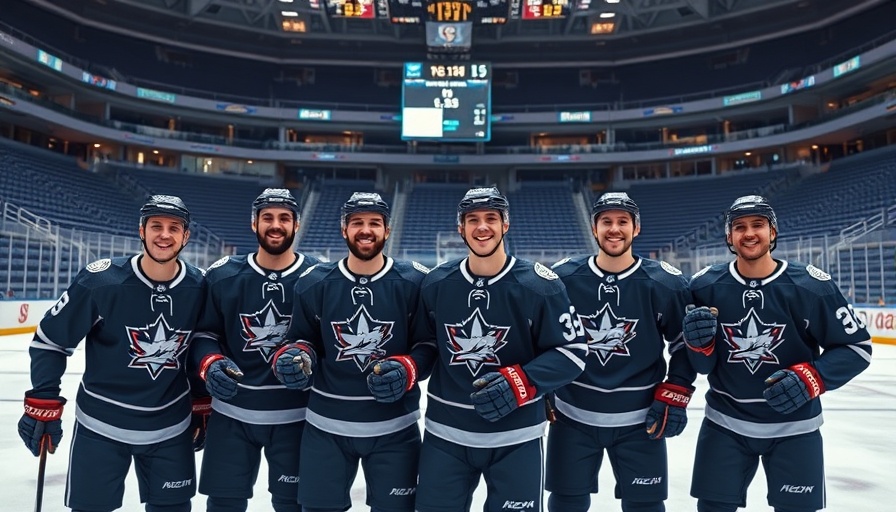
(351, 319)
(506, 334)
(137, 315)
(630, 308)
(245, 318)
(773, 335)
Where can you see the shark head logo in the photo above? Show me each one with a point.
(156, 346)
(264, 330)
(607, 334)
(361, 338)
(753, 342)
(475, 343)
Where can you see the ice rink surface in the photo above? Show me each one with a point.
(860, 451)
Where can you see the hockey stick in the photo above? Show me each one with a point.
(41, 470)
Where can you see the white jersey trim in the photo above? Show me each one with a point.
(470, 279)
(362, 428)
(764, 430)
(132, 407)
(256, 417)
(602, 419)
(343, 267)
(485, 439)
(127, 436)
(592, 263)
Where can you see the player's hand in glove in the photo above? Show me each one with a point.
(501, 392)
(392, 378)
(202, 409)
(294, 364)
(667, 416)
(788, 390)
(221, 375)
(699, 328)
(43, 417)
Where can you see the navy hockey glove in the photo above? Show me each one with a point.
(392, 378)
(202, 409)
(667, 416)
(293, 365)
(43, 417)
(788, 390)
(221, 375)
(501, 392)
(699, 328)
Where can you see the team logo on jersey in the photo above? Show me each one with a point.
(99, 265)
(544, 272)
(156, 346)
(817, 273)
(475, 343)
(670, 269)
(264, 330)
(218, 263)
(361, 338)
(752, 341)
(608, 335)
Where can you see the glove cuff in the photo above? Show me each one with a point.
(810, 377)
(673, 394)
(519, 383)
(410, 368)
(304, 347)
(44, 409)
(706, 350)
(206, 362)
(202, 405)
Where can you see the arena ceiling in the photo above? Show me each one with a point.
(585, 32)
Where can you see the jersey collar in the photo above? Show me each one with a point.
(762, 282)
(492, 280)
(181, 273)
(285, 272)
(343, 267)
(592, 263)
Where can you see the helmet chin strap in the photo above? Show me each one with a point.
(147, 252)
(493, 251)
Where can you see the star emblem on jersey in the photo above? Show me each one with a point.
(361, 338)
(475, 343)
(607, 334)
(264, 330)
(156, 346)
(753, 342)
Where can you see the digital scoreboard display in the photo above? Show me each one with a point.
(363, 9)
(545, 9)
(446, 101)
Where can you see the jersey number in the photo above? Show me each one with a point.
(572, 325)
(851, 321)
(63, 300)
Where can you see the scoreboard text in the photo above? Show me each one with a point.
(446, 101)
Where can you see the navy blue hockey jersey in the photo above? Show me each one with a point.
(628, 320)
(136, 332)
(353, 321)
(796, 315)
(245, 318)
(520, 316)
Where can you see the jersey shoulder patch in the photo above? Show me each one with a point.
(817, 273)
(420, 267)
(307, 271)
(561, 262)
(670, 269)
(99, 265)
(544, 272)
(218, 263)
(701, 271)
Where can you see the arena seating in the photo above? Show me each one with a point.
(544, 218)
(222, 204)
(430, 209)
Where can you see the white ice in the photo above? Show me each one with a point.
(860, 451)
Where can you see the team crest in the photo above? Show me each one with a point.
(608, 335)
(156, 347)
(99, 265)
(670, 269)
(475, 343)
(264, 330)
(544, 272)
(361, 338)
(752, 341)
(817, 273)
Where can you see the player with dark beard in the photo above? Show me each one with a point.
(772, 335)
(136, 316)
(246, 315)
(631, 309)
(354, 333)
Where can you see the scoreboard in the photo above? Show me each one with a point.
(446, 101)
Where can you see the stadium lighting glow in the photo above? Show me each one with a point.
(612, 1)
(286, 1)
(606, 15)
(289, 14)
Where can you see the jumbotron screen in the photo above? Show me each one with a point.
(446, 101)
